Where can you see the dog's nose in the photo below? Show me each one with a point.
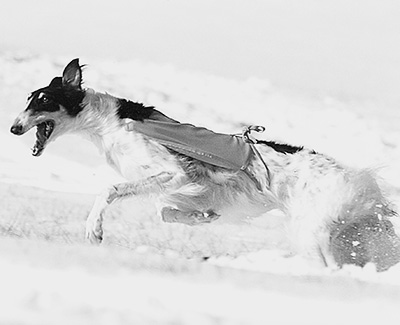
(17, 129)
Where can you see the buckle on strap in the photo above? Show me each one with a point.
(246, 133)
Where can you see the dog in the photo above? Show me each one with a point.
(336, 214)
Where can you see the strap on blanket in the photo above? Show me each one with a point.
(248, 138)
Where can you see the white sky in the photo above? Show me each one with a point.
(348, 48)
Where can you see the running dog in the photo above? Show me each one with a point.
(336, 214)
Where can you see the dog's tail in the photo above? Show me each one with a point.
(364, 232)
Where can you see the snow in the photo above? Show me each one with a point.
(344, 48)
(324, 98)
(58, 290)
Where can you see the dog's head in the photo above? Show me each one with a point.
(52, 109)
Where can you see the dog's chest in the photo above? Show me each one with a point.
(136, 157)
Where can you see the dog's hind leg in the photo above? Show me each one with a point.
(192, 203)
(94, 230)
(191, 218)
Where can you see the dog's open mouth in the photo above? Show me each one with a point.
(43, 133)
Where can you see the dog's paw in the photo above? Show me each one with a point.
(193, 218)
(94, 237)
(198, 217)
(94, 232)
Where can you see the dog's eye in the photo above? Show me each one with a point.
(43, 98)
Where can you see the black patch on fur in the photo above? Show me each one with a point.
(134, 111)
(54, 95)
(282, 148)
(139, 112)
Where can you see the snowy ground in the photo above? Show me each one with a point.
(147, 272)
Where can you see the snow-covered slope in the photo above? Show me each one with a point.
(57, 284)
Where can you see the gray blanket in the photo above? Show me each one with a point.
(222, 150)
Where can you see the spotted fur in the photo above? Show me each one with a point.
(336, 214)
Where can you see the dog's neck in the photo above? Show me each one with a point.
(99, 113)
(101, 122)
(98, 118)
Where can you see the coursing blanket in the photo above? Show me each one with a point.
(218, 149)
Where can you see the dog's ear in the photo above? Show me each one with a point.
(72, 75)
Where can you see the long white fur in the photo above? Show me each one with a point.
(312, 189)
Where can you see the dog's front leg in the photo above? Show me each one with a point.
(94, 230)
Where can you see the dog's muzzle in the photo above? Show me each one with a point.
(45, 128)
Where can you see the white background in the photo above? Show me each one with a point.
(346, 48)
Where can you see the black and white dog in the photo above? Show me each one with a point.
(336, 214)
